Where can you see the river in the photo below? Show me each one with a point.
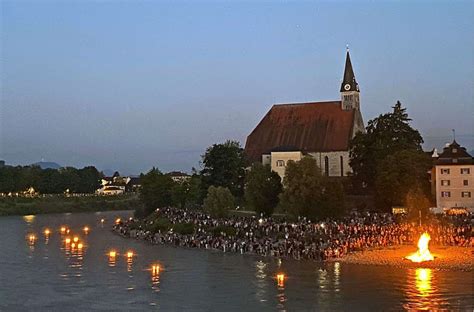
(46, 275)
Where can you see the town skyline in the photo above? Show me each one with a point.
(129, 98)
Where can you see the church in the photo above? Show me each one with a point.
(321, 130)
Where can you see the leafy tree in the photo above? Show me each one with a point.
(224, 165)
(194, 195)
(417, 202)
(89, 180)
(179, 193)
(155, 191)
(262, 189)
(385, 135)
(308, 193)
(219, 201)
(400, 173)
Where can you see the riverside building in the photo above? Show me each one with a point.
(454, 178)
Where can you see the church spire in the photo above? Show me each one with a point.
(349, 87)
(349, 82)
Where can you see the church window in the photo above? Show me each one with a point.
(466, 194)
(326, 165)
(341, 160)
(465, 171)
(445, 182)
(280, 163)
(444, 171)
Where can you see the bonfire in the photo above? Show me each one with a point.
(423, 253)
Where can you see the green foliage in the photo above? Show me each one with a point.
(400, 173)
(179, 194)
(159, 225)
(224, 165)
(219, 201)
(417, 203)
(308, 193)
(385, 135)
(49, 181)
(227, 230)
(262, 188)
(183, 228)
(156, 190)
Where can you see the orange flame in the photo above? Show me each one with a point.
(281, 280)
(423, 253)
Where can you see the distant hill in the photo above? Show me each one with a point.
(47, 165)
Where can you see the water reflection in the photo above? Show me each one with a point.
(129, 262)
(261, 284)
(281, 296)
(322, 278)
(337, 273)
(155, 277)
(422, 292)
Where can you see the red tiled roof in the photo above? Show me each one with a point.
(311, 127)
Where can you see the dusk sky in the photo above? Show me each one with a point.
(130, 85)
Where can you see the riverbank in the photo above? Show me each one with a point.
(446, 257)
(61, 204)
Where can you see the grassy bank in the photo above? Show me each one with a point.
(61, 204)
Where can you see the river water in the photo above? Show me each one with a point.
(47, 275)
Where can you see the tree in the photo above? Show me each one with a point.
(385, 135)
(417, 202)
(155, 191)
(89, 180)
(308, 193)
(224, 165)
(262, 188)
(179, 193)
(219, 201)
(400, 173)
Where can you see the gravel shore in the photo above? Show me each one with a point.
(446, 258)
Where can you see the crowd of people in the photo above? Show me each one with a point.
(298, 240)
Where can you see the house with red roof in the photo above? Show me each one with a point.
(321, 130)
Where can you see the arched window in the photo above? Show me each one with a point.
(326, 165)
(341, 159)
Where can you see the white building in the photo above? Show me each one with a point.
(454, 178)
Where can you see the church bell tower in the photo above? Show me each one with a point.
(349, 87)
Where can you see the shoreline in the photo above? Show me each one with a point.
(61, 204)
(447, 258)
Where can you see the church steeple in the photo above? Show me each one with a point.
(349, 87)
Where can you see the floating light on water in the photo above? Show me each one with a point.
(80, 245)
(423, 253)
(130, 254)
(117, 221)
(112, 253)
(102, 220)
(47, 232)
(63, 230)
(73, 245)
(281, 279)
(67, 240)
(32, 238)
(155, 269)
(86, 229)
(75, 239)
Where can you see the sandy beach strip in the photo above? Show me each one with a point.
(446, 258)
